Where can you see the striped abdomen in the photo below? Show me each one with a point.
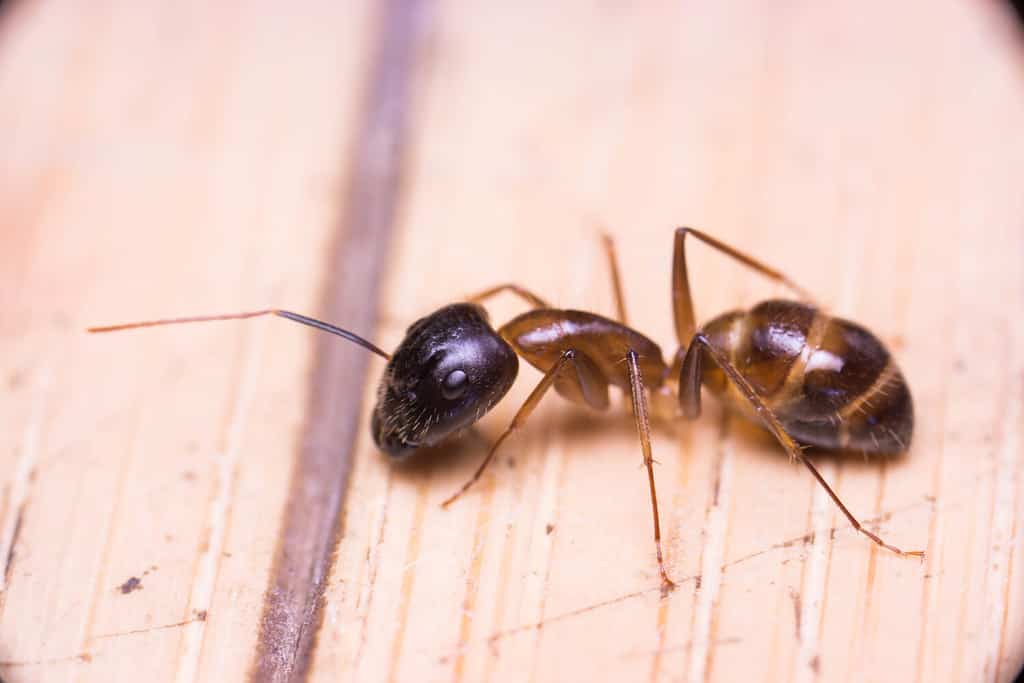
(829, 381)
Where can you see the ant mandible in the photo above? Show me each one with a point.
(811, 379)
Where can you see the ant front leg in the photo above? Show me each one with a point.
(682, 300)
(689, 398)
(567, 358)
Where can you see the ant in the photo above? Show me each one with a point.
(809, 378)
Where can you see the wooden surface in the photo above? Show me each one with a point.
(205, 503)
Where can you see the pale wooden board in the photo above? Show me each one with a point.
(164, 161)
(158, 160)
(842, 146)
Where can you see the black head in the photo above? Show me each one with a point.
(450, 369)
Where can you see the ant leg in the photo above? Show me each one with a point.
(613, 267)
(682, 301)
(524, 412)
(690, 382)
(643, 428)
(537, 302)
(523, 293)
(699, 345)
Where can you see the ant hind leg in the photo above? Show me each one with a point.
(682, 300)
(691, 389)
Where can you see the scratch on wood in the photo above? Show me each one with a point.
(961, 615)
(473, 578)
(372, 565)
(715, 529)
(504, 569)
(199, 617)
(568, 615)
(931, 588)
(20, 487)
(9, 560)
(292, 611)
(806, 539)
(795, 596)
(685, 647)
(99, 582)
(1002, 516)
(412, 556)
(538, 625)
(84, 657)
(1018, 478)
(696, 579)
(204, 579)
(554, 476)
(869, 584)
(815, 571)
(661, 625)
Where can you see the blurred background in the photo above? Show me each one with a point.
(205, 503)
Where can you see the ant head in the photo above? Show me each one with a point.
(451, 368)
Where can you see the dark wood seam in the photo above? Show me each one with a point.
(311, 529)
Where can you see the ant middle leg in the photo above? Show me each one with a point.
(537, 302)
(643, 428)
(523, 293)
(613, 269)
(682, 300)
(689, 398)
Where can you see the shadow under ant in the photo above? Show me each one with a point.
(462, 452)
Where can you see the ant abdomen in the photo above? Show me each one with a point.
(450, 370)
(829, 381)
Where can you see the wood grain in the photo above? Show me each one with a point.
(161, 507)
(292, 613)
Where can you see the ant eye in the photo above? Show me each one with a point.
(454, 385)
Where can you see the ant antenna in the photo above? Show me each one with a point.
(312, 322)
